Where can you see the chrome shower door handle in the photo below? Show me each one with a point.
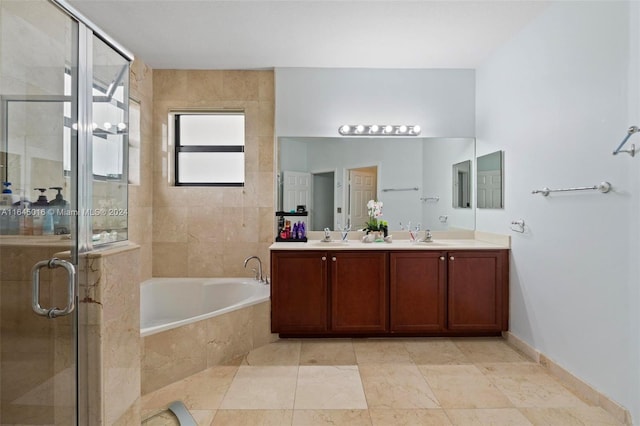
(71, 288)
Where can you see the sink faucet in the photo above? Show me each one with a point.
(259, 276)
(327, 234)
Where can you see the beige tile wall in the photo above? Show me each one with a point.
(110, 335)
(141, 196)
(209, 231)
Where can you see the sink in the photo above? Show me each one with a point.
(333, 243)
(431, 243)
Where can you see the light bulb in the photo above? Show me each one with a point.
(359, 128)
(94, 126)
(374, 129)
(402, 129)
(107, 125)
(388, 128)
(416, 129)
(345, 129)
(122, 126)
(74, 126)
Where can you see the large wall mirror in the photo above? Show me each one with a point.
(335, 177)
(490, 194)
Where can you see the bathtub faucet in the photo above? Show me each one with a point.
(259, 276)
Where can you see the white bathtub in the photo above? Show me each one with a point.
(167, 303)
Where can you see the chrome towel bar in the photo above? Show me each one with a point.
(632, 151)
(415, 188)
(603, 187)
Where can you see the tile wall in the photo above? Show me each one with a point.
(141, 194)
(209, 231)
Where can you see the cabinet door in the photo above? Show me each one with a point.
(299, 291)
(417, 291)
(478, 291)
(358, 291)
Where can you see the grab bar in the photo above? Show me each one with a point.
(632, 151)
(425, 199)
(603, 187)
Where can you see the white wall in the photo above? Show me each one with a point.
(558, 98)
(317, 101)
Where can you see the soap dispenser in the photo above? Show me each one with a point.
(59, 210)
(40, 213)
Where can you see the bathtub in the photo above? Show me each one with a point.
(168, 303)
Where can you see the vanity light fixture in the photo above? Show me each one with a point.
(379, 130)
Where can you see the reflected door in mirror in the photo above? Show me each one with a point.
(490, 181)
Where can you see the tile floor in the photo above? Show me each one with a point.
(422, 381)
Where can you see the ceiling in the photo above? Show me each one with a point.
(239, 34)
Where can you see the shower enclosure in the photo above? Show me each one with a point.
(63, 135)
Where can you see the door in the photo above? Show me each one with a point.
(38, 309)
(478, 298)
(362, 188)
(296, 190)
(358, 291)
(298, 291)
(417, 281)
(489, 189)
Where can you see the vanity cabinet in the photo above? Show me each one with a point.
(306, 283)
(299, 297)
(358, 291)
(417, 291)
(477, 290)
(389, 292)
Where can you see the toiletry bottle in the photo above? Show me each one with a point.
(294, 232)
(7, 218)
(22, 210)
(39, 211)
(60, 211)
(302, 230)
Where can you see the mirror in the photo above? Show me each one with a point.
(461, 194)
(335, 177)
(489, 181)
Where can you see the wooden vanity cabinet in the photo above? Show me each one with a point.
(404, 292)
(305, 284)
(358, 291)
(299, 296)
(477, 291)
(417, 291)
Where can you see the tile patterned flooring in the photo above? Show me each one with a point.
(421, 381)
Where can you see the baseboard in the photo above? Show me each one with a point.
(582, 389)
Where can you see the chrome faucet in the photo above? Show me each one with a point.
(259, 276)
(327, 235)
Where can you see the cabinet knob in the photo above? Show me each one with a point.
(441, 257)
(451, 258)
(333, 258)
(324, 258)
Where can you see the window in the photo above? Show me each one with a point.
(209, 148)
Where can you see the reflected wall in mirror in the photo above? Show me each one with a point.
(461, 193)
(489, 181)
(405, 172)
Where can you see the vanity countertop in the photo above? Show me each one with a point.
(437, 244)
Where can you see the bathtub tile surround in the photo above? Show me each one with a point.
(173, 355)
(402, 388)
(195, 227)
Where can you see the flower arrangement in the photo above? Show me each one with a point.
(374, 209)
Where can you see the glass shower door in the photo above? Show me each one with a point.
(38, 242)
